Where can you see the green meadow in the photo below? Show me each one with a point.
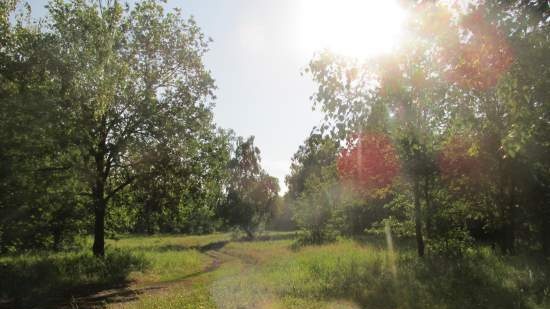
(215, 271)
(149, 159)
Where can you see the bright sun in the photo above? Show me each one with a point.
(355, 28)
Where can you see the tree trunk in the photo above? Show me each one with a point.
(102, 169)
(509, 238)
(57, 238)
(249, 233)
(418, 219)
(545, 235)
(545, 229)
(509, 235)
(100, 204)
(429, 210)
(99, 226)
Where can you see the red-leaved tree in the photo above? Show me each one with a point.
(368, 164)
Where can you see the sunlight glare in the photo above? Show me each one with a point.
(354, 28)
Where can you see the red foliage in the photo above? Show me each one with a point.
(458, 164)
(369, 163)
(480, 60)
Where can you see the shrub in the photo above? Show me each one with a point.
(315, 208)
(454, 243)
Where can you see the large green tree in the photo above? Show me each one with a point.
(134, 87)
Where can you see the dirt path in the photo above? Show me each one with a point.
(133, 291)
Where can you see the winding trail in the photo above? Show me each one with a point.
(132, 291)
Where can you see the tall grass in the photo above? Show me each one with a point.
(271, 274)
(347, 270)
(171, 257)
(40, 278)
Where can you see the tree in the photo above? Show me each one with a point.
(313, 189)
(494, 67)
(369, 164)
(132, 80)
(358, 99)
(39, 202)
(182, 195)
(316, 152)
(251, 193)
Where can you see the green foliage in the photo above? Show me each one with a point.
(467, 117)
(314, 211)
(317, 152)
(252, 194)
(454, 243)
(105, 112)
(40, 205)
(281, 219)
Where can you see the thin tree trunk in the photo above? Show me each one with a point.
(509, 238)
(418, 219)
(429, 210)
(545, 233)
(509, 235)
(249, 233)
(57, 238)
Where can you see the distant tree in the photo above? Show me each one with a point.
(182, 195)
(281, 218)
(251, 193)
(317, 152)
(313, 189)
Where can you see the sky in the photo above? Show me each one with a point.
(259, 50)
(256, 64)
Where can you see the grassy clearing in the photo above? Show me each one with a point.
(365, 277)
(171, 257)
(272, 273)
(355, 274)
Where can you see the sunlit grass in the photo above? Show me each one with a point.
(190, 273)
(171, 257)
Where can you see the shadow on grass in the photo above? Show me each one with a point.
(379, 241)
(104, 296)
(54, 280)
(269, 236)
(217, 245)
(277, 236)
(212, 246)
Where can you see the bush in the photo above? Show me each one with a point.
(454, 243)
(315, 208)
(31, 277)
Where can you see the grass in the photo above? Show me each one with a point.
(171, 257)
(44, 278)
(213, 272)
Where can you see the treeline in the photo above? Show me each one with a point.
(446, 140)
(106, 126)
